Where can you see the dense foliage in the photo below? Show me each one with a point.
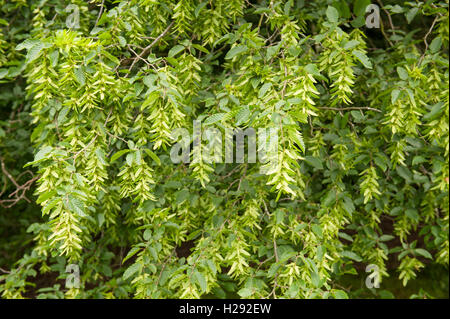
(92, 91)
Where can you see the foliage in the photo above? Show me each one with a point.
(90, 95)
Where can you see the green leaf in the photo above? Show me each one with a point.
(245, 292)
(435, 111)
(381, 162)
(332, 14)
(360, 6)
(175, 50)
(34, 52)
(402, 73)
(330, 198)
(27, 44)
(411, 14)
(314, 162)
(279, 216)
(131, 253)
(101, 156)
(418, 159)
(394, 95)
(119, 154)
(351, 44)
(181, 196)
(79, 75)
(77, 206)
(236, 51)
(200, 278)
(263, 90)
(315, 279)
(412, 214)
(362, 57)
(351, 255)
(405, 173)
(340, 294)
(214, 118)
(153, 156)
(313, 69)
(42, 154)
(44, 196)
(317, 230)
(200, 48)
(243, 115)
(134, 268)
(348, 205)
(436, 44)
(386, 237)
(424, 253)
(199, 8)
(51, 204)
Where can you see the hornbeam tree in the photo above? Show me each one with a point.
(99, 97)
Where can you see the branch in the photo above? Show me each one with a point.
(100, 13)
(349, 108)
(20, 191)
(426, 41)
(390, 22)
(144, 51)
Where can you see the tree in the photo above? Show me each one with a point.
(99, 99)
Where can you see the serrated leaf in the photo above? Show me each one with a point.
(263, 90)
(340, 294)
(153, 156)
(245, 292)
(424, 253)
(394, 95)
(360, 6)
(200, 279)
(175, 50)
(236, 51)
(412, 214)
(181, 196)
(214, 118)
(119, 154)
(79, 75)
(351, 44)
(411, 14)
(314, 162)
(199, 8)
(436, 44)
(362, 57)
(34, 52)
(405, 173)
(134, 268)
(317, 230)
(243, 115)
(435, 111)
(332, 14)
(418, 159)
(402, 73)
(77, 206)
(351, 255)
(348, 205)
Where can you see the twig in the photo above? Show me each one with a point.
(390, 22)
(5, 271)
(144, 51)
(100, 13)
(349, 108)
(20, 191)
(425, 40)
